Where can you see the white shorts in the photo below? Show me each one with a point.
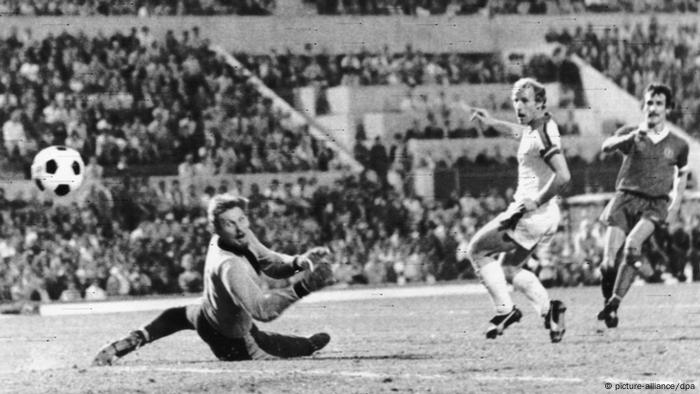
(535, 226)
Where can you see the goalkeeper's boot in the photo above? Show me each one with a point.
(609, 312)
(500, 322)
(554, 320)
(319, 341)
(119, 348)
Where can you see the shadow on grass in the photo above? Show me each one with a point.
(401, 356)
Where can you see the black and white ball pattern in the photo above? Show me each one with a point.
(58, 170)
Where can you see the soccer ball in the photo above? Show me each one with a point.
(58, 170)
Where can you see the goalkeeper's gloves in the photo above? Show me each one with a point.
(318, 275)
(305, 262)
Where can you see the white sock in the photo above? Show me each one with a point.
(492, 276)
(527, 283)
(145, 333)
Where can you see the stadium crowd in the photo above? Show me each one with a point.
(142, 8)
(521, 7)
(286, 69)
(671, 54)
(135, 238)
(129, 99)
(131, 238)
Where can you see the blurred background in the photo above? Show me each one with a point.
(340, 120)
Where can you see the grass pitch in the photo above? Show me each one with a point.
(410, 345)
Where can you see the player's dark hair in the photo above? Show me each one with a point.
(222, 203)
(538, 88)
(660, 88)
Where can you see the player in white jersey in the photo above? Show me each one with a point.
(511, 237)
(233, 296)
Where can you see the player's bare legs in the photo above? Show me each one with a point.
(628, 267)
(484, 251)
(526, 282)
(488, 249)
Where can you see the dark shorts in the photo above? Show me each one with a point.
(625, 210)
(255, 346)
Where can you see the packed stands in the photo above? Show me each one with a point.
(521, 7)
(142, 8)
(138, 237)
(132, 101)
(671, 56)
(410, 67)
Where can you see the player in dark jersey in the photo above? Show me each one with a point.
(233, 296)
(650, 186)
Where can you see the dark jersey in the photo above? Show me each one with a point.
(648, 167)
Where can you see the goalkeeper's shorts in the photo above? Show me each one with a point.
(254, 345)
(535, 226)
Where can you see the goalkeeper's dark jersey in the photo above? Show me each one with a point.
(648, 168)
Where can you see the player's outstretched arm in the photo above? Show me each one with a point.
(243, 287)
(505, 128)
(276, 265)
(622, 140)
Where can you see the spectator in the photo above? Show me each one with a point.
(190, 281)
(379, 159)
(94, 292)
(14, 135)
(71, 293)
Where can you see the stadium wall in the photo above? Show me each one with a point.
(340, 34)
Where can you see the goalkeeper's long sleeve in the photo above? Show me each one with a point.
(233, 295)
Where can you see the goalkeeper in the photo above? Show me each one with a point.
(233, 298)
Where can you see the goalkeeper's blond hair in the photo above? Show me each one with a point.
(221, 203)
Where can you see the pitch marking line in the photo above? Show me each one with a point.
(89, 308)
(349, 374)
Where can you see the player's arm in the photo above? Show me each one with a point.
(243, 287)
(505, 128)
(280, 265)
(558, 181)
(679, 183)
(552, 155)
(622, 140)
(274, 264)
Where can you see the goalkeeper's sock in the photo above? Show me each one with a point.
(169, 322)
(527, 283)
(494, 279)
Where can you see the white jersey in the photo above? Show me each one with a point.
(537, 145)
